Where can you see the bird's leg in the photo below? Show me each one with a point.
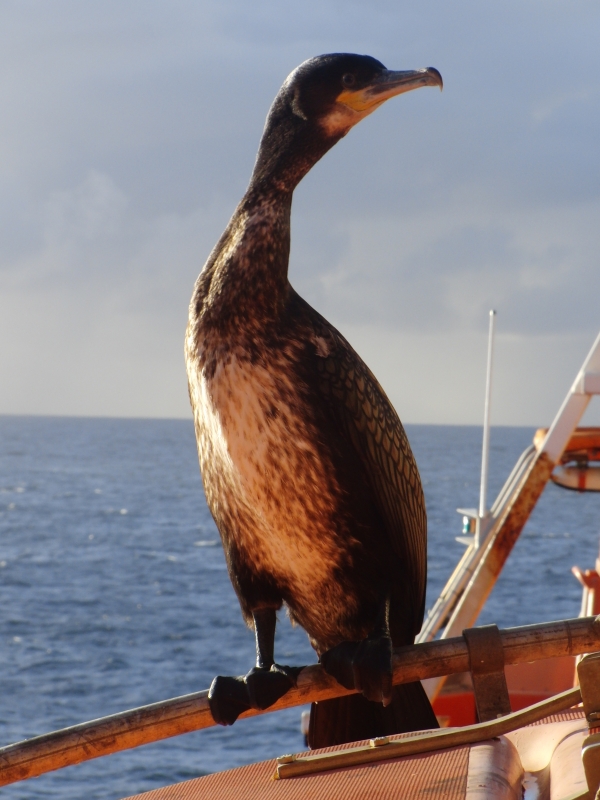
(262, 686)
(267, 681)
(367, 665)
(265, 621)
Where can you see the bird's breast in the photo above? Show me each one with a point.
(267, 475)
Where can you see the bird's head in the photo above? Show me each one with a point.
(318, 104)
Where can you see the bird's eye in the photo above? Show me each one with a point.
(349, 79)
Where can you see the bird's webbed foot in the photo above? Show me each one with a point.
(266, 686)
(372, 666)
(227, 699)
(259, 689)
(365, 666)
(262, 686)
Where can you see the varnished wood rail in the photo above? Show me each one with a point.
(191, 712)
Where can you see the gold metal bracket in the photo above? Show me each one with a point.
(385, 748)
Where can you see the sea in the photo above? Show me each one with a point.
(114, 591)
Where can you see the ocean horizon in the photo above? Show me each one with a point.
(115, 592)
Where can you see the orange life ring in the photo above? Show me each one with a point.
(579, 479)
(584, 444)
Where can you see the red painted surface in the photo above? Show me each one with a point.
(456, 710)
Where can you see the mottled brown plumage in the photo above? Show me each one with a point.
(371, 423)
(306, 466)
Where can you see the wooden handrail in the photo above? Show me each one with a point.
(191, 712)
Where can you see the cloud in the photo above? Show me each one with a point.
(128, 135)
(554, 105)
(441, 379)
(95, 316)
(421, 272)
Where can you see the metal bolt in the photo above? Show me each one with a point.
(380, 740)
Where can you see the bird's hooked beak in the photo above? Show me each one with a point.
(388, 84)
(352, 105)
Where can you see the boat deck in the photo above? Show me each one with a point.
(490, 769)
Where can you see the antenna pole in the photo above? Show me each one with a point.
(485, 454)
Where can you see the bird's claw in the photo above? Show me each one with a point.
(266, 686)
(365, 666)
(227, 699)
(259, 689)
(338, 662)
(372, 667)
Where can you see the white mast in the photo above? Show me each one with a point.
(485, 454)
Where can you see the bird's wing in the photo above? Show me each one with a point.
(371, 423)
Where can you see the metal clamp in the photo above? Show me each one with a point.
(486, 660)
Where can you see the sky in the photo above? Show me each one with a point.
(128, 132)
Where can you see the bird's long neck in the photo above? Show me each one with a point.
(244, 284)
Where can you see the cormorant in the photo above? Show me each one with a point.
(306, 466)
